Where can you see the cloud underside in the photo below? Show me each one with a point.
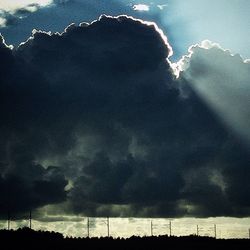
(95, 118)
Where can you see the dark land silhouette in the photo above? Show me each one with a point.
(26, 238)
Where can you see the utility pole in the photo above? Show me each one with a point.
(197, 230)
(249, 233)
(215, 231)
(30, 218)
(8, 220)
(151, 228)
(88, 227)
(170, 228)
(108, 225)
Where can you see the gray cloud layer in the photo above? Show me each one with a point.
(100, 107)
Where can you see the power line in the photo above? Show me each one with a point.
(88, 226)
(30, 219)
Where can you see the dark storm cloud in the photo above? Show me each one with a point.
(24, 183)
(34, 187)
(101, 102)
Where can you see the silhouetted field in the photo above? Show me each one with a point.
(29, 239)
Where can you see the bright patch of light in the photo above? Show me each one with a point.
(76, 226)
(141, 7)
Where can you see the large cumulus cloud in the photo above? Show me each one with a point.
(101, 103)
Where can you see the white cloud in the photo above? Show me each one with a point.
(13, 5)
(141, 7)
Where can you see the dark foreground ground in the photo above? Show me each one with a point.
(29, 239)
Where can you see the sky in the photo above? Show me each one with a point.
(125, 109)
(185, 22)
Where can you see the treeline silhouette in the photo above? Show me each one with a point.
(27, 238)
